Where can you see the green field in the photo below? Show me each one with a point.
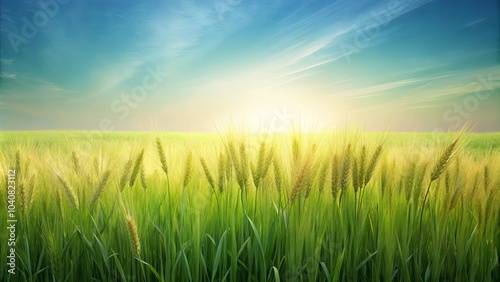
(343, 206)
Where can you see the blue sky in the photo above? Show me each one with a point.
(181, 65)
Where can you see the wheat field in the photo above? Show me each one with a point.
(339, 206)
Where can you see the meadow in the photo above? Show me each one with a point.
(331, 206)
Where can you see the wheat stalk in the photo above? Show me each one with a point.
(345, 168)
(361, 168)
(144, 182)
(137, 167)
(161, 155)
(312, 175)
(222, 165)
(295, 149)
(208, 175)
(456, 195)
(444, 160)
(188, 172)
(133, 236)
(278, 174)
(486, 178)
(70, 194)
(440, 166)
(258, 168)
(355, 175)
(335, 177)
(125, 175)
(244, 177)
(76, 162)
(100, 188)
(322, 176)
(410, 179)
(267, 163)
(373, 164)
(18, 163)
(301, 180)
(234, 159)
(53, 254)
(29, 192)
(419, 183)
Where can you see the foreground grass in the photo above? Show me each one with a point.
(202, 207)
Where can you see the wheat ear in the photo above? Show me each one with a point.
(137, 167)
(208, 175)
(188, 172)
(133, 236)
(70, 194)
(100, 188)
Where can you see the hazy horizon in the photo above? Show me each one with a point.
(181, 66)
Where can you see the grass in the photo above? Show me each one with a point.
(299, 207)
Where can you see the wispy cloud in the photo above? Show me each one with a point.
(8, 75)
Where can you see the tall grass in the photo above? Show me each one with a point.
(298, 207)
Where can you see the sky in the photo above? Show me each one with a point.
(130, 65)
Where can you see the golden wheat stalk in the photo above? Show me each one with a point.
(257, 170)
(188, 172)
(295, 149)
(444, 160)
(126, 172)
(355, 175)
(76, 162)
(208, 175)
(144, 182)
(161, 155)
(221, 171)
(440, 166)
(486, 178)
(322, 176)
(456, 195)
(312, 175)
(133, 236)
(410, 179)
(301, 180)
(345, 168)
(137, 167)
(244, 166)
(70, 194)
(361, 168)
(373, 164)
(278, 174)
(234, 159)
(490, 202)
(335, 177)
(18, 163)
(267, 163)
(100, 188)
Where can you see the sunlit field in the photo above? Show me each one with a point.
(341, 206)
